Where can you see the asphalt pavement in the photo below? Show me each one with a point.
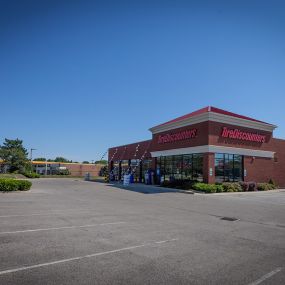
(68, 231)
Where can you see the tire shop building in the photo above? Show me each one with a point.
(209, 145)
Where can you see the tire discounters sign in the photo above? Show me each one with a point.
(241, 135)
(179, 136)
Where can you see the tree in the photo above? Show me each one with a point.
(101, 162)
(14, 155)
(40, 159)
(85, 162)
(61, 159)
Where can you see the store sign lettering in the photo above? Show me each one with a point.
(180, 136)
(241, 135)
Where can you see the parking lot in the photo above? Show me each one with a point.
(67, 231)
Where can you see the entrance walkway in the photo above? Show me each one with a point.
(143, 188)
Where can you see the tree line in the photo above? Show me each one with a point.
(14, 157)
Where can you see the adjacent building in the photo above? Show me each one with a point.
(74, 169)
(210, 145)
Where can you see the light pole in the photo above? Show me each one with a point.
(46, 168)
(32, 158)
(31, 153)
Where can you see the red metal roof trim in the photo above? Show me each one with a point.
(210, 109)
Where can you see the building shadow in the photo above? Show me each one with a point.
(143, 189)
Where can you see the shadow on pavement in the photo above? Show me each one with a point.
(143, 189)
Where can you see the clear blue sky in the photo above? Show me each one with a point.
(77, 77)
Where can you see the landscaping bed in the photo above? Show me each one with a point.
(219, 187)
(9, 184)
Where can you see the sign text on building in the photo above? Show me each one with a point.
(241, 135)
(179, 136)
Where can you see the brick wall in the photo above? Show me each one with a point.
(130, 151)
(81, 169)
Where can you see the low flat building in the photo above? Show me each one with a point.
(209, 145)
(74, 169)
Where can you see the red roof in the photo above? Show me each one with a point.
(210, 109)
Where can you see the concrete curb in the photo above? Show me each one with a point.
(250, 193)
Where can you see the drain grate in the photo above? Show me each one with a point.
(229, 219)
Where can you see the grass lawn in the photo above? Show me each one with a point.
(12, 175)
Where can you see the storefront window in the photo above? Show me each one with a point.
(135, 168)
(125, 168)
(189, 166)
(177, 166)
(146, 165)
(219, 167)
(228, 167)
(116, 170)
(168, 168)
(238, 167)
(197, 167)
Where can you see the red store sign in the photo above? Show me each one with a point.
(180, 136)
(241, 135)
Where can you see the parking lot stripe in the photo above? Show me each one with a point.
(266, 276)
(84, 256)
(61, 228)
(55, 212)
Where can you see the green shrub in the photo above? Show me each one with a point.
(14, 185)
(232, 187)
(208, 188)
(165, 183)
(272, 182)
(31, 175)
(219, 188)
(265, 186)
(24, 185)
(252, 186)
(178, 184)
(64, 172)
(244, 186)
(188, 185)
(8, 184)
(248, 186)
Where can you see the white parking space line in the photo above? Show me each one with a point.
(84, 257)
(55, 212)
(266, 276)
(61, 228)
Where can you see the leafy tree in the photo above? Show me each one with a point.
(14, 155)
(61, 159)
(85, 162)
(101, 162)
(40, 159)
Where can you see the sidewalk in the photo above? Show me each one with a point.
(156, 189)
(147, 189)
